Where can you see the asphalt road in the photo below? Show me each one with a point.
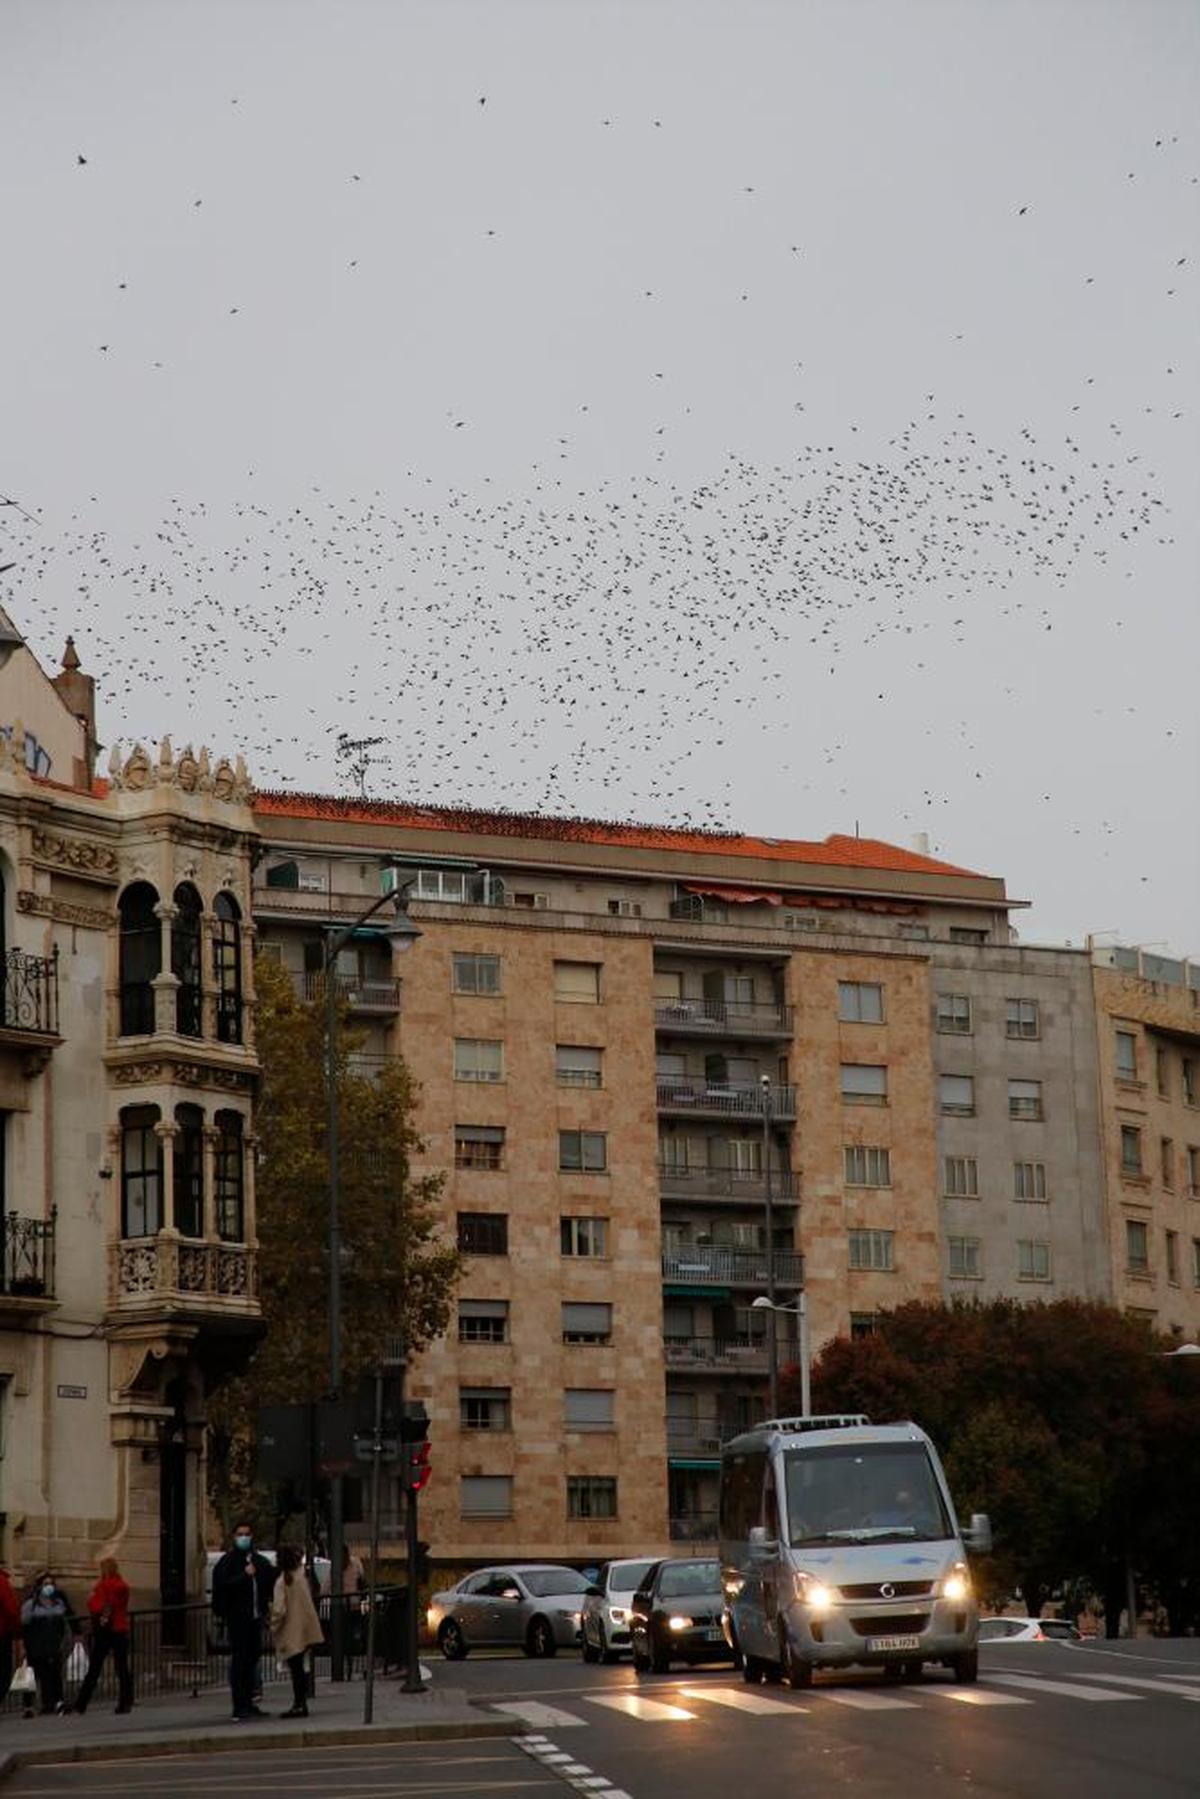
(1117, 1721)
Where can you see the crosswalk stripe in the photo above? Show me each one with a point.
(647, 1711)
(864, 1699)
(740, 1699)
(1151, 1686)
(1068, 1688)
(530, 1711)
(975, 1695)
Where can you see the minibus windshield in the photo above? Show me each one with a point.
(863, 1493)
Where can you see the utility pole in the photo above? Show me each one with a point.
(769, 1209)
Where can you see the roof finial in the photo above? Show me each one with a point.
(70, 659)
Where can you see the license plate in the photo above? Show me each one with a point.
(882, 1645)
(714, 1636)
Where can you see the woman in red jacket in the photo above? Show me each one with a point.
(109, 1606)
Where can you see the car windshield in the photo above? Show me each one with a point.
(627, 1577)
(863, 1493)
(542, 1582)
(689, 1577)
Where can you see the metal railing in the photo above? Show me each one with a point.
(745, 1267)
(714, 1017)
(737, 1354)
(676, 1093)
(373, 993)
(694, 1527)
(725, 1183)
(30, 993)
(27, 1256)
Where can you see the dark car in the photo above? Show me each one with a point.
(676, 1616)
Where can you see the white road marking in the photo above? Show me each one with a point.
(865, 1699)
(741, 1699)
(975, 1695)
(1151, 1686)
(531, 1711)
(646, 1711)
(1068, 1688)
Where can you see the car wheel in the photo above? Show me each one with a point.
(911, 1670)
(660, 1659)
(892, 1672)
(641, 1663)
(539, 1641)
(966, 1667)
(794, 1671)
(609, 1656)
(752, 1670)
(452, 1642)
(588, 1651)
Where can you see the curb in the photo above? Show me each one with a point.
(330, 1736)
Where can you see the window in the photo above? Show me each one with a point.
(671, 1065)
(860, 1002)
(479, 1146)
(188, 1171)
(478, 1059)
(960, 1177)
(483, 1321)
(954, 1014)
(141, 1172)
(1171, 1245)
(863, 1084)
(586, 1323)
(229, 1178)
(588, 1408)
(1025, 1099)
(667, 986)
(1029, 1180)
(583, 1152)
(1193, 1155)
(1196, 1261)
(483, 1233)
(227, 967)
(1162, 1072)
(872, 1249)
(442, 884)
(531, 902)
(485, 1495)
(1166, 1161)
(185, 960)
(916, 933)
(578, 1065)
(864, 1324)
(577, 983)
(141, 958)
(1033, 1260)
(1021, 1018)
(744, 1155)
(956, 1094)
(1187, 1068)
(591, 1496)
(586, 1237)
(867, 1167)
(1131, 1149)
(965, 1260)
(485, 1408)
(476, 974)
(1137, 1246)
(1126, 1056)
(961, 933)
(625, 908)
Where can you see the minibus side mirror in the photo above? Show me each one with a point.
(762, 1546)
(978, 1535)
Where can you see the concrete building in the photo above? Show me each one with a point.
(127, 1074)
(1148, 1022)
(593, 1011)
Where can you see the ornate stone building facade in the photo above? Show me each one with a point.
(127, 1083)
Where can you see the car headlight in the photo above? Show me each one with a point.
(572, 1616)
(957, 1585)
(679, 1622)
(617, 1614)
(812, 1592)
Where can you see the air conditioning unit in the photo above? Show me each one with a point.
(541, 902)
(623, 908)
(313, 883)
(801, 921)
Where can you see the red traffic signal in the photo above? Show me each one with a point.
(416, 1467)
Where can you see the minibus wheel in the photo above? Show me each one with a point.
(793, 1670)
(966, 1667)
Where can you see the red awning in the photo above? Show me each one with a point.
(745, 896)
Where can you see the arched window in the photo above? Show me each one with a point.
(227, 968)
(141, 1172)
(229, 1178)
(141, 958)
(189, 1171)
(185, 960)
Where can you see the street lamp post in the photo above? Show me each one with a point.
(769, 1210)
(402, 933)
(800, 1312)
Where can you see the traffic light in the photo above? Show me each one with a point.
(414, 1465)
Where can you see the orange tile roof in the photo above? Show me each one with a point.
(836, 851)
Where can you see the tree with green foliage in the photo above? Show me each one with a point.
(398, 1275)
(1062, 1421)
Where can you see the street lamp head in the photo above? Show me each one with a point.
(764, 1080)
(1184, 1349)
(762, 1304)
(402, 933)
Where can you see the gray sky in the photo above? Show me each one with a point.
(774, 415)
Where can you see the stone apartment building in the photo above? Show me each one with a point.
(127, 1075)
(624, 1036)
(1148, 1023)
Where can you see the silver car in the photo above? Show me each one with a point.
(605, 1621)
(532, 1606)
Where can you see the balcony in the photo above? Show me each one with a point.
(722, 1099)
(733, 1267)
(726, 1184)
(378, 993)
(29, 1005)
(150, 1276)
(717, 1355)
(26, 1266)
(723, 1018)
(696, 1527)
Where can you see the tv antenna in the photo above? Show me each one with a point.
(355, 754)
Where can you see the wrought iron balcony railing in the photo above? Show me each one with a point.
(700, 1355)
(30, 993)
(725, 1183)
(678, 1093)
(700, 1265)
(373, 993)
(695, 1527)
(27, 1256)
(723, 1018)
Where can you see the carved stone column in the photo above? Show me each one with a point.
(249, 1205)
(208, 979)
(165, 983)
(249, 1006)
(166, 1130)
(211, 1137)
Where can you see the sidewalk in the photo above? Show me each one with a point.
(176, 1726)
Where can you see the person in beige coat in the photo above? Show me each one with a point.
(295, 1627)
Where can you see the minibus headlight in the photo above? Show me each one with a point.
(812, 1592)
(956, 1586)
(679, 1623)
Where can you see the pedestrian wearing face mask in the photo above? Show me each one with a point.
(241, 1598)
(46, 1631)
